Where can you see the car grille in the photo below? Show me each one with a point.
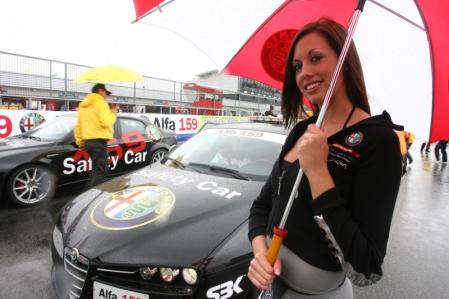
(77, 269)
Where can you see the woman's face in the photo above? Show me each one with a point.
(314, 62)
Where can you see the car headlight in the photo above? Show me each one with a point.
(190, 275)
(57, 241)
(168, 274)
(147, 272)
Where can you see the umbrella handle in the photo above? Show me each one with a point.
(278, 236)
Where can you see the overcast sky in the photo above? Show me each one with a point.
(96, 32)
(394, 54)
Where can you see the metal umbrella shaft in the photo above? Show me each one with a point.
(280, 232)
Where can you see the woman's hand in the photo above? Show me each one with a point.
(313, 151)
(261, 273)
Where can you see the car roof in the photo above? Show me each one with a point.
(263, 127)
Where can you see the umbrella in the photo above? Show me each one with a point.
(407, 74)
(108, 74)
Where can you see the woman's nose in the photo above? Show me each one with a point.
(305, 72)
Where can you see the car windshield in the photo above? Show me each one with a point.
(52, 130)
(240, 154)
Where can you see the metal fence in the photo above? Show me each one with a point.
(36, 83)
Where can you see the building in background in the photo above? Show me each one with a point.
(42, 84)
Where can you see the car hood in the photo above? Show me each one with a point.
(17, 143)
(184, 216)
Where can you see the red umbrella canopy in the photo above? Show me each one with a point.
(142, 7)
(262, 56)
(436, 19)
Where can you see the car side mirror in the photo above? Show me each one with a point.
(153, 133)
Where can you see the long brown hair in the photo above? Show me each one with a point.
(334, 34)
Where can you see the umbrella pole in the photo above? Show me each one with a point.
(279, 233)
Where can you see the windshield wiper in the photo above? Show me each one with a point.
(234, 173)
(182, 165)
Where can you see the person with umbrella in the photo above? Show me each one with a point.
(340, 220)
(94, 127)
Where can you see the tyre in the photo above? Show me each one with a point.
(30, 185)
(158, 155)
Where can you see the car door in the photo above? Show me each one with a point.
(75, 165)
(135, 143)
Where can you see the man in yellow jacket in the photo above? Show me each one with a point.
(94, 127)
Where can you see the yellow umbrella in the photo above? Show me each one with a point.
(109, 73)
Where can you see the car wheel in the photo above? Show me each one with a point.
(158, 155)
(30, 185)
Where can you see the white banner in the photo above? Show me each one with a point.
(13, 122)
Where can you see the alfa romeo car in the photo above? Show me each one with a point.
(34, 163)
(174, 229)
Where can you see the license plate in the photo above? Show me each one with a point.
(102, 291)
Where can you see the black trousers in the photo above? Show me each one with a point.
(408, 156)
(441, 146)
(425, 145)
(98, 153)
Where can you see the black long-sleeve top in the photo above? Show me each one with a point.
(354, 217)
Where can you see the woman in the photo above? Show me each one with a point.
(339, 223)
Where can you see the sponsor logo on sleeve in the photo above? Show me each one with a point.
(354, 138)
(132, 208)
(342, 156)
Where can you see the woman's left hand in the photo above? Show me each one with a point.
(313, 150)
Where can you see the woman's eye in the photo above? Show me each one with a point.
(316, 58)
(297, 67)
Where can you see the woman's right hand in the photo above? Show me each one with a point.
(260, 272)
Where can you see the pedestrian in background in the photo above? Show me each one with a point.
(409, 138)
(270, 111)
(425, 145)
(441, 147)
(94, 127)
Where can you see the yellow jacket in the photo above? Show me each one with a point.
(95, 119)
(402, 142)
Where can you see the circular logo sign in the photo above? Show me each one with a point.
(354, 138)
(275, 51)
(30, 120)
(133, 207)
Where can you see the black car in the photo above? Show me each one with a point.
(33, 164)
(174, 229)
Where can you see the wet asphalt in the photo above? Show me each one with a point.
(416, 266)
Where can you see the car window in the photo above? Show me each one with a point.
(54, 129)
(251, 153)
(130, 125)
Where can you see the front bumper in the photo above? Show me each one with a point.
(68, 278)
(75, 280)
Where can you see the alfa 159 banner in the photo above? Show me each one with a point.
(13, 122)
